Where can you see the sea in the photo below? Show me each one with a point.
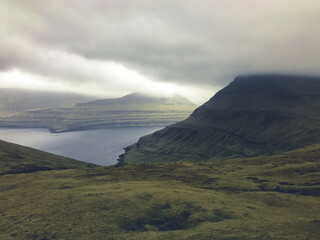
(99, 146)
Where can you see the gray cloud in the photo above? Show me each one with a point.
(185, 42)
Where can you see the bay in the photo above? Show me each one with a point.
(99, 146)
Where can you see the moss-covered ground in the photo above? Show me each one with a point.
(274, 197)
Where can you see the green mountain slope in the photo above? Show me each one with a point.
(134, 110)
(263, 198)
(252, 116)
(15, 100)
(18, 159)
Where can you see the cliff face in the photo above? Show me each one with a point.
(134, 110)
(252, 116)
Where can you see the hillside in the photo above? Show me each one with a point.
(18, 159)
(252, 116)
(16, 100)
(275, 197)
(134, 110)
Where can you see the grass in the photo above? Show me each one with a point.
(258, 198)
(18, 159)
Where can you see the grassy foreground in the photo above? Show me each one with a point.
(259, 198)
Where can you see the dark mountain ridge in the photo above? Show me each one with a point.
(266, 92)
(254, 115)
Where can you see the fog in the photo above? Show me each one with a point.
(112, 48)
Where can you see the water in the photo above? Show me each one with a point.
(100, 146)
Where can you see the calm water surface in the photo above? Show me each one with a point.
(101, 146)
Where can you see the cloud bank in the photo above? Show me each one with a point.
(189, 47)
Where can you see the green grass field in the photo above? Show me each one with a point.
(273, 197)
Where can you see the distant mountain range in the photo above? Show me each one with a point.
(133, 110)
(15, 100)
(254, 115)
(139, 101)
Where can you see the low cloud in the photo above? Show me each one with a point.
(184, 43)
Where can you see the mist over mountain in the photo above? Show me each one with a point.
(254, 115)
(15, 100)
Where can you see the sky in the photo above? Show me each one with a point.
(193, 48)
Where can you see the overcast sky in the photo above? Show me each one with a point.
(188, 47)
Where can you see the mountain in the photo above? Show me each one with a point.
(253, 116)
(15, 100)
(139, 101)
(134, 110)
(273, 197)
(18, 159)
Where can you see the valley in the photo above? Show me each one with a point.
(245, 165)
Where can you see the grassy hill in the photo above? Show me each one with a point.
(253, 116)
(134, 110)
(18, 159)
(16, 100)
(275, 197)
